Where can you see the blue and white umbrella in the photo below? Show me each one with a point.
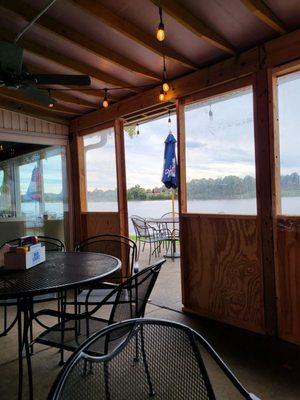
(170, 170)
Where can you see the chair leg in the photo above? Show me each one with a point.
(139, 249)
(150, 252)
(151, 391)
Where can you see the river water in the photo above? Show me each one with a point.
(156, 208)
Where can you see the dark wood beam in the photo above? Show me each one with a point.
(194, 24)
(265, 14)
(63, 60)
(18, 96)
(67, 98)
(216, 74)
(70, 34)
(132, 31)
(16, 106)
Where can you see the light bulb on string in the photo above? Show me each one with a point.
(105, 103)
(161, 95)
(137, 129)
(50, 105)
(169, 122)
(160, 34)
(165, 85)
(210, 113)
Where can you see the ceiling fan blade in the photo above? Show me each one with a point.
(39, 95)
(11, 58)
(54, 79)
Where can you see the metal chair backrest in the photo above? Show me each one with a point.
(140, 226)
(131, 296)
(51, 244)
(114, 245)
(152, 359)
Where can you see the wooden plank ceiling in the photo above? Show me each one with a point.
(115, 43)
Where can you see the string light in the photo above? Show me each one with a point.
(169, 122)
(137, 129)
(105, 103)
(161, 95)
(165, 84)
(210, 113)
(51, 105)
(160, 34)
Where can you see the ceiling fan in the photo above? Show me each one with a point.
(14, 75)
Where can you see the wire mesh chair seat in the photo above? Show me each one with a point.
(143, 359)
(114, 245)
(51, 244)
(146, 233)
(131, 299)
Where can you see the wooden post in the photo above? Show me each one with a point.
(182, 196)
(78, 182)
(182, 200)
(121, 176)
(266, 194)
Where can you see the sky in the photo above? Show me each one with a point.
(217, 145)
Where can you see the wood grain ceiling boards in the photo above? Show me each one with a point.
(115, 43)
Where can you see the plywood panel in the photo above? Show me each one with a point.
(288, 278)
(97, 223)
(222, 271)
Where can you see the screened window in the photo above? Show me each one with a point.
(101, 173)
(220, 161)
(289, 142)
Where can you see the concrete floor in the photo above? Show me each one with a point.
(268, 368)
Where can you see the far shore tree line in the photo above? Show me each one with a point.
(229, 187)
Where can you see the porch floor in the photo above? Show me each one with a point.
(267, 367)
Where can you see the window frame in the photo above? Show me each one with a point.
(204, 95)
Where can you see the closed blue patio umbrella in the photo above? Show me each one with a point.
(170, 176)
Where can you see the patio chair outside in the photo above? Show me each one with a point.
(129, 301)
(152, 359)
(148, 234)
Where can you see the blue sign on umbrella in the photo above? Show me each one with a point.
(170, 170)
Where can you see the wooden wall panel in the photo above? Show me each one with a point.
(21, 123)
(288, 278)
(96, 223)
(222, 269)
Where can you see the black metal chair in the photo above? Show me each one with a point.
(51, 244)
(141, 359)
(147, 234)
(114, 245)
(129, 301)
(173, 226)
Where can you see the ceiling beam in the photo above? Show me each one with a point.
(70, 34)
(16, 106)
(132, 31)
(18, 96)
(265, 14)
(67, 98)
(194, 24)
(65, 61)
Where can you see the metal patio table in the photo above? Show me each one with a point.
(166, 222)
(61, 271)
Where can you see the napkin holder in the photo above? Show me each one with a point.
(14, 261)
